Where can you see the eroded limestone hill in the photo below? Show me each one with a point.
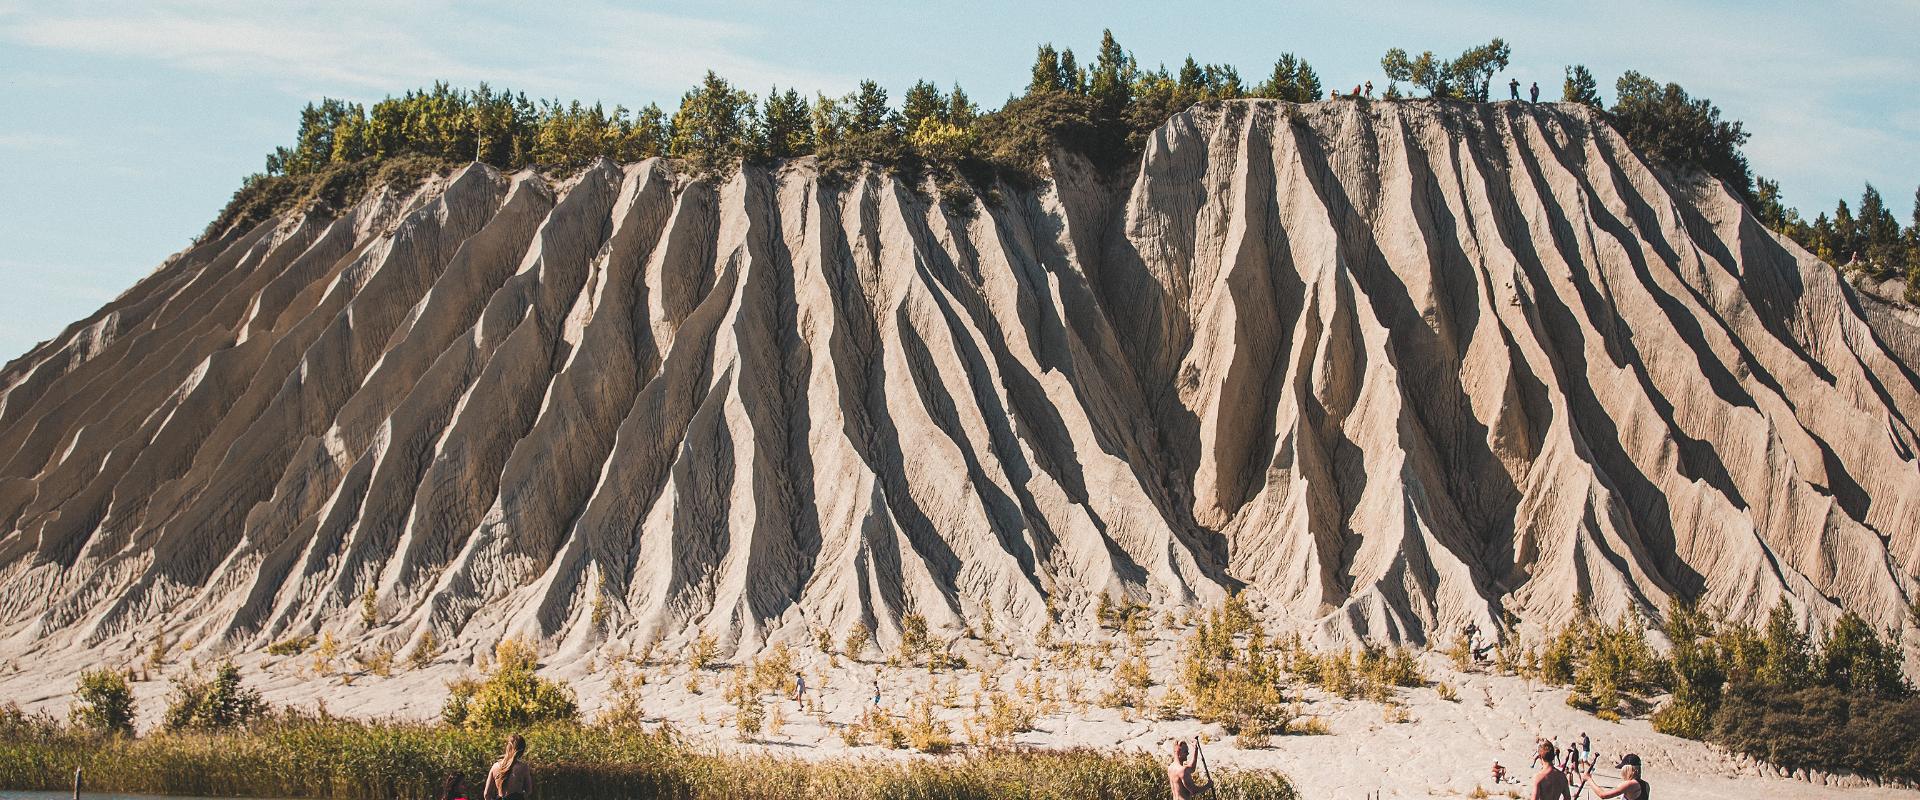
(1392, 367)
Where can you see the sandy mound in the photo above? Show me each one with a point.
(1393, 368)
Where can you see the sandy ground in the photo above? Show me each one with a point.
(1445, 749)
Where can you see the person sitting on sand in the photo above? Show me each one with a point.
(1631, 787)
(1180, 772)
(510, 778)
(453, 788)
(1499, 773)
(1550, 783)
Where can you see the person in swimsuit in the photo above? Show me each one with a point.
(1180, 771)
(510, 778)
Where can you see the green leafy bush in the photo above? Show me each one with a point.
(512, 696)
(199, 703)
(103, 703)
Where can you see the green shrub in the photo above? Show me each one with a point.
(197, 703)
(1822, 727)
(103, 703)
(512, 696)
(291, 646)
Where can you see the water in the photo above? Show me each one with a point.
(22, 794)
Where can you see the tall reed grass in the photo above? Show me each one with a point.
(361, 760)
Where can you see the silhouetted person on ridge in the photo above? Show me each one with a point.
(1534, 92)
(1513, 88)
(1369, 90)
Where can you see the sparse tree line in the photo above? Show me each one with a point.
(1104, 110)
(1838, 702)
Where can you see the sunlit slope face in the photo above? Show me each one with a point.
(1390, 368)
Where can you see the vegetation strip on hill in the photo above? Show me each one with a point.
(1105, 111)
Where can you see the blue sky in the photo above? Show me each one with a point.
(126, 130)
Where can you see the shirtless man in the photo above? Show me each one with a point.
(1180, 772)
(1550, 783)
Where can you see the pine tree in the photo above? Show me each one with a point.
(1880, 241)
(786, 125)
(712, 127)
(1580, 87)
(922, 102)
(867, 109)
(1046, 71)
(1292, 79)
(960, 110)
(1072, 79)
(1111, 82)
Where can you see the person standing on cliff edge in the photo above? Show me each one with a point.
(1513, 88)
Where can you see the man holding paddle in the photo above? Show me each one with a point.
(1180, 772)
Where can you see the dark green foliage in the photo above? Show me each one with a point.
(1105, 112)
(786, 125)
(1663, 121)
(1046, 71)
(1468, 77)
(1110, 83)
(1472, 73)
(1771, 693)
(713, 127)
(1292, 79)
(1580, 87)
(198, 703)
(1857, 660)
(103, 703)
(1821, 728)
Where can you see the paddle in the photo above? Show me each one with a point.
(1204, 769)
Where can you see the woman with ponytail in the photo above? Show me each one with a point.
(510, 778)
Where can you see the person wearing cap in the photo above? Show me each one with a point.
(1631, 786)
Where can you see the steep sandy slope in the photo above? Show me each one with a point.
(1390, 367)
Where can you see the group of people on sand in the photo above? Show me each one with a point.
(511, 778)
(1564, 776)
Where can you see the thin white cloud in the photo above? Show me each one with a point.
(361, 49)
(34, 141)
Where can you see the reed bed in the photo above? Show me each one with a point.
(371, 760)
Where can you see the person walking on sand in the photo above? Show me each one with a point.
(876, 693)
(1180, 771)
(510, 778)
(1549, 783)
(1513, 88)
(1534, 93)
(799, 686)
